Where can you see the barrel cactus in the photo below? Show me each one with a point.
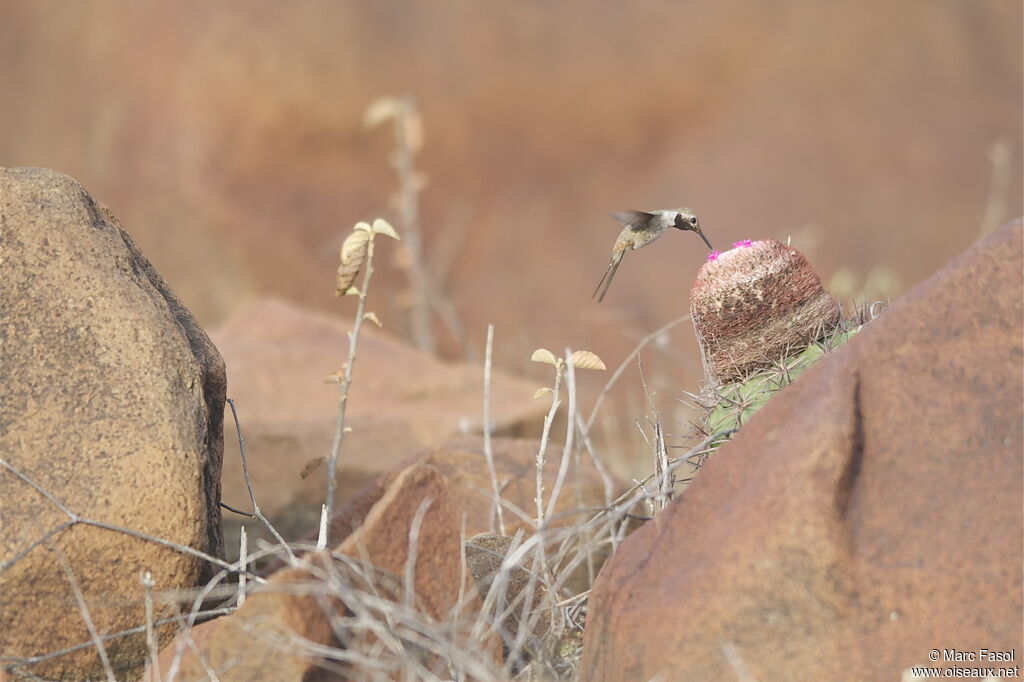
(761, 317)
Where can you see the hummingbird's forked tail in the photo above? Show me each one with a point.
(608, 275)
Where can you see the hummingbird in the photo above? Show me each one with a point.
(642, 228)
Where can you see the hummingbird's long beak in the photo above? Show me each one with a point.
(698, 231)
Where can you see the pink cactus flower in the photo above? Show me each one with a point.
(745, 244)
(714, 255)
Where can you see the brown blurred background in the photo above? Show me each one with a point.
(882, 137)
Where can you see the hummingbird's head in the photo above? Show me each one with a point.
(686, 219)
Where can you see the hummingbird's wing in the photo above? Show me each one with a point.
(634, 220)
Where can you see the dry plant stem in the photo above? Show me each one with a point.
(664, 478)
(625, 363)
(346, 382)
(83, 610)
(188, 623)
(321, 537)
(422, 333)
(449, 315)
(524, 629)
(463, 579)
(256, 513)
(602, 470)
(488, 452)
(147, 585)
(76, 519)
(541, 452)
(1001, 155)
(739, 667)
(243, 561)
(15, 661)
(201, 657)
(570, 432)
(409, 591)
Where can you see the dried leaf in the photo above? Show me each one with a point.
(381, 226)
(353, 255)
(362, 227)
(372, 317)
(381, 110)
(584, 359)
(354, 246)
(485, 557)
(542, 392)
(545, 356)
(311, 466)
(346, 275)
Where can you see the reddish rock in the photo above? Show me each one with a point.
(257, 642)
(402, 400)
(462, 462)
(111, 399)
(753, 304)
(868, 514)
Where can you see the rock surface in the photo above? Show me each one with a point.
(111, 400)
(257, 643)
(868, 514)
(402, 400)
(462, 462)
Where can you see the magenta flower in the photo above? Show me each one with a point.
(714, 255)
(745, 243)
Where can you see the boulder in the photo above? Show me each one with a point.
(463, 463)
(111, 400)
(870, 513)
(401, 401)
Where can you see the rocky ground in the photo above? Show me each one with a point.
(867, 514)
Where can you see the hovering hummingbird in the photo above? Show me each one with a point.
(642, 228)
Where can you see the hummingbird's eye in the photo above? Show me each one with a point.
(693, 220)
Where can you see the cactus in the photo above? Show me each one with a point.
(762, 318)
(731, 405)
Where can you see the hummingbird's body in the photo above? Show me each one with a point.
(642, 228)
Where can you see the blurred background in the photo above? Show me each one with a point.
(882, 138)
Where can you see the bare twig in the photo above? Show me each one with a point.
(256, 513)
(488, 452)
(739, 667)
(83, 610)
(321, 538)
(346, 382)
(406, 125)
(625, 363)
(154, 652)
(409, 592)
(570, 432)
(1000, 153)
(542, 450)
(243, 561)
(664, 477)
(76, 519)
